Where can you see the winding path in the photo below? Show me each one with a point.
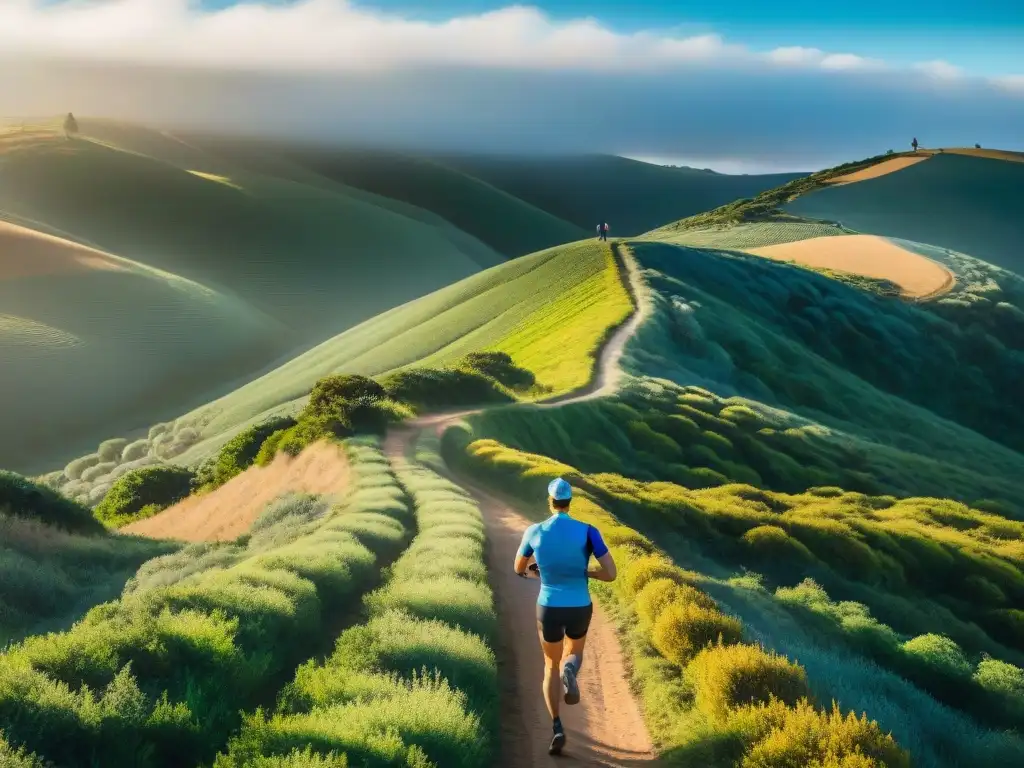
(606, 728)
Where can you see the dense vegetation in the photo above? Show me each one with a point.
(712, 699)
(915, 389)
(143, 493)
(50, 576)
(21, 497)
(416, 683)
(158, 677)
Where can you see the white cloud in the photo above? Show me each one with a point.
(940, 69)
(337, 36)
(849, 62)
(1012, 83)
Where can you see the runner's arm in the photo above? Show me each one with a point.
(523, 555)
(599, 549)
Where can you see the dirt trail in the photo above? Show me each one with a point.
(229, 511)
(606, 727)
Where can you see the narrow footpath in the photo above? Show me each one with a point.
(606, 727)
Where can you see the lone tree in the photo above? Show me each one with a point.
(70, 126)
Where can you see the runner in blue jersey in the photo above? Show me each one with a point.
(561, 547)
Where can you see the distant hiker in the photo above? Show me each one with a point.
(561, 547)
(599, 231)
(70, 126)
(914, 144)
(604, 231)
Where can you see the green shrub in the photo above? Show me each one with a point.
(938, 654)
(729, 676)
(154, 488)
(111, 450)
(683, 630)
(659, 593)
(500, 367)
(17, 758)
(645, 569)
(772, 544)
(430, 388)
(311, 430)
(1002, 678)
(270, 448)
(74, 470)
(20, 497)
(135, 450)
(804, 737)
(333, 393)
(239, 453)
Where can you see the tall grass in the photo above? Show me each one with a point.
(416, 683)
(49, 577)
(157, 677)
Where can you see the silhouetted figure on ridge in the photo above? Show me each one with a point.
(70, 126)
(914, 144)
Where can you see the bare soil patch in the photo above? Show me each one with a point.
(880, 169)
(229, 511)
(867, 255)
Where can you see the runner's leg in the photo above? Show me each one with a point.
(552, 681)
(576, 640)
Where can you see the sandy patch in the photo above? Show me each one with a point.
(867, 255)
(229, 511)
(880, 169)
(27, 253)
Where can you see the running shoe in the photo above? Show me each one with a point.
(557, 741)
(569, 685)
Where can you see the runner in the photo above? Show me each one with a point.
(914, 144)
(561, 547)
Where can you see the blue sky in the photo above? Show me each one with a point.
(735, 85)
(985, 37)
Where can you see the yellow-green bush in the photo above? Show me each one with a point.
(771, 542)
(804, 737)
(660, 593)
(637, 574)
(729, 676)
(683, 630)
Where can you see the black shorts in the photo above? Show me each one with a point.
(557, 623)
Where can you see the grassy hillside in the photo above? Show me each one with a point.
(505, 223)
(631, 196)
(193, 259)
(966, 204)
(56, 561)
(285, 247)
(94, 344)
(510, 308)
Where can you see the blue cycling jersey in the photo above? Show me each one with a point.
(562, 547)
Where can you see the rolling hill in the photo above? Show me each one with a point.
(305, 242)
(631, 196)
(964, 203)
(94, 344)
(809, 483)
